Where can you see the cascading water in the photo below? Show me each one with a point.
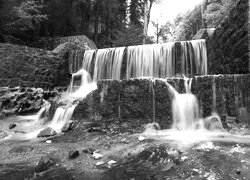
(62, 114)
(154, 60)
(188, 126)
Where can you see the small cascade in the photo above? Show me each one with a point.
(63, 113)
(152, 91)
(87, 60)
(185, 108)
(154, 60)
(185, 111)
(84, 88)
(61, 117)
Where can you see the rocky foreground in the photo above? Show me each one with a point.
(117, 150)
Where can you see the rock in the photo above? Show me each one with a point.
(21, 149)
(12, 125)
(88, 151)
(3, 134)
(95, 129)
(183, 158)
(238, 172)
(243, 116)
(44, 164)
(49, 141)
(97, 155)
(73, 154)
(213, 123)
(100, 163)
(47, 132)
(111, 162)
(141, 138)
(68, 126)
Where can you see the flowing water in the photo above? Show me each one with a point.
(188, 126)
(28, 127)
(154, 60)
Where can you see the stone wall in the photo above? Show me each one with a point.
(31, 67)
(133, 99)
(228, 48)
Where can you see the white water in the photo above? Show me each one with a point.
(154, 60)
(188, 126)
(34, 124)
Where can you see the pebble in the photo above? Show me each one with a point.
(48, 141)
(111, 162)
(141, 138)
(97, 155)
(12, 125)
(100, 163)
(183, 158)
(238, 172)
(73, 154)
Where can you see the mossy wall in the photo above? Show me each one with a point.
(228, 48)
(31, 67)
(133, 99)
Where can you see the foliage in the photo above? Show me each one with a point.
(25, 22)
(108, 22)
(208, 14)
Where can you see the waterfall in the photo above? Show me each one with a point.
(154, 60)
(185, 108)
(87, 60)
(108, 63)
(61, 117)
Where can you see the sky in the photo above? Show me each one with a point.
(167, 10)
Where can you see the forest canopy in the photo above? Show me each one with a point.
(108, 23)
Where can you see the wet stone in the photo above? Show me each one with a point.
(47, 132)
(12, 125)
(73, 154)
(238, 172)
(45, 163)
(68, 126)
(89, 151)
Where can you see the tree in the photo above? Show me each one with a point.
(26, 21)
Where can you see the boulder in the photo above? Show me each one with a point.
(12, 125)
(73, 154)
(45, 163)
(68, 126)
(47, 132)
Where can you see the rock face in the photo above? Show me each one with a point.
(20, 100)
(47, 132)
(228, 48)
(132, 100)
(31, 67)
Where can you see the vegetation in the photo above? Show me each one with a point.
(108, 22)
(208, 14)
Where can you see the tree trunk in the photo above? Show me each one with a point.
(96, 26)
(145, 27)
(147, 10)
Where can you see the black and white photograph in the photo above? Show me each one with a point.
(124, 90)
